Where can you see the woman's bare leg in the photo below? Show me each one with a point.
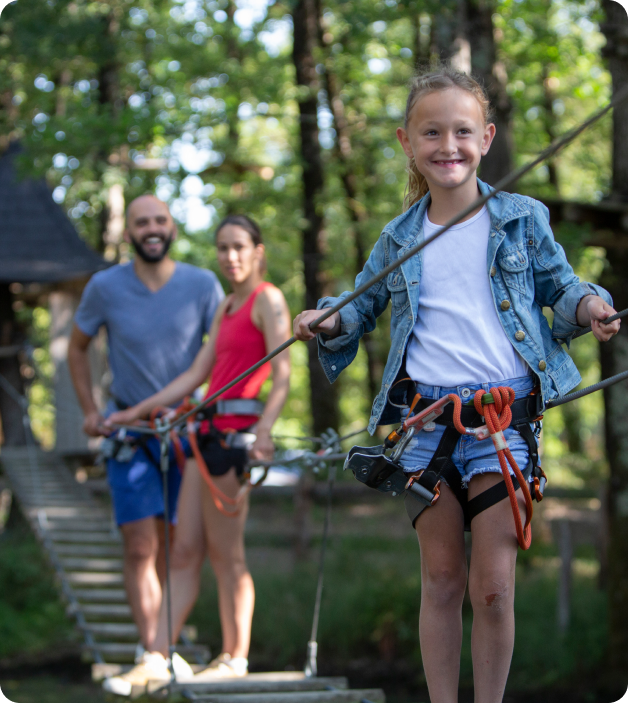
(225, 544)
(492, 591)
(443, 583)
(186, 558)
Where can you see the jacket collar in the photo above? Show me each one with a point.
(503, 208)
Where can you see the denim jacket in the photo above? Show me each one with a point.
(528, 270)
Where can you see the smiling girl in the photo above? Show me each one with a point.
(250, 322)
(466, 316)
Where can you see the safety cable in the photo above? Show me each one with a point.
(586, 391)
(501, 185)
(607, 321)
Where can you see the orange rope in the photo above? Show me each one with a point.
(498, 416)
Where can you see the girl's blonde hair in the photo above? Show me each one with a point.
(441, 79)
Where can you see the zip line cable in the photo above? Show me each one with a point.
(500, 186)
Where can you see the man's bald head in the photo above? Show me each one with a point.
(150, 228)
(144, 205)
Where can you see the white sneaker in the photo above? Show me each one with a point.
(152, 666)
(182, 670)
(225, 666)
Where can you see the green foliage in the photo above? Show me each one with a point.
(197, 101)
(32, 618)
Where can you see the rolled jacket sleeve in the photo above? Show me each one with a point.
(556, 284)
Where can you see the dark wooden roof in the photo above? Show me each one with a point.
(38, 243)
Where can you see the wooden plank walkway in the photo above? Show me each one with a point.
(84, 547)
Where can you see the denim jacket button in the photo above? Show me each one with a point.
(520, 335)
(493, 270)
(505, 305)
(333, 368)
(542, 365)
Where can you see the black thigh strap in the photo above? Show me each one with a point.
(498, 492)
(440, 466)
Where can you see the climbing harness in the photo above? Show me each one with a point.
(202, 420)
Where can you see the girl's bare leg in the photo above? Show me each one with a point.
(443, 583)
(225, 543)
(186, 558)
(492, 591)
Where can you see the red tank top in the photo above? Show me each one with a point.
(239, 345)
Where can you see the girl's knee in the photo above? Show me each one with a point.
(492, 597)
(444, 587)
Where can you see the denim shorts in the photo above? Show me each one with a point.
(137, 485)
(471, 457)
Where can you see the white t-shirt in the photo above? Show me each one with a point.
(457, 337)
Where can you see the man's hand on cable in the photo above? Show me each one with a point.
(592, 310)
(263, 448)
(94, 424)
(301, 325)
(123, 417)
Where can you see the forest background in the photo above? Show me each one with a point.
(208, 105)
(287, 111)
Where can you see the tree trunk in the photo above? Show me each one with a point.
(450, 39)
(492, 73)
(614, 358)
(357, 211)
(11, 413)
(305, 19)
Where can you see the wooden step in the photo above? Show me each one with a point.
(96, 550)
(69, 525)
(88, 578)
(372, 695)
(82, 537)
(256, 683)
(101, 595)
(122, 651)
(92, 610)
(75, 564)
(116, 630)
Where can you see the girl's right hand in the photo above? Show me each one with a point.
(301, 325)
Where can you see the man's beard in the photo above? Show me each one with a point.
(152, 258)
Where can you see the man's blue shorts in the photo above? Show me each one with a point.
(137, 485)
(471, 457)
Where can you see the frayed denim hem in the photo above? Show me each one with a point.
(487, 470)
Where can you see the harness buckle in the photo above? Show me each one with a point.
(425, 494)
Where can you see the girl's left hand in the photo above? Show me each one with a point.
(263, 448)
(593, 310)
(122, 417)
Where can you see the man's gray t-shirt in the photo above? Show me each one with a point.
(152, 337)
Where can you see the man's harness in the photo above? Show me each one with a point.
(489, 415)
(122, 446)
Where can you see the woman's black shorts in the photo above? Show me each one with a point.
(220, 458)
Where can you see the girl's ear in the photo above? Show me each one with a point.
(402, 136)
(487, 139)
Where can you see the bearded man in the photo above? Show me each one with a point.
(156, 312)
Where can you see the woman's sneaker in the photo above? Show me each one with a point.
(225, 666)
(151, 666)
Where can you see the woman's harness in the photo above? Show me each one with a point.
(487, 416)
